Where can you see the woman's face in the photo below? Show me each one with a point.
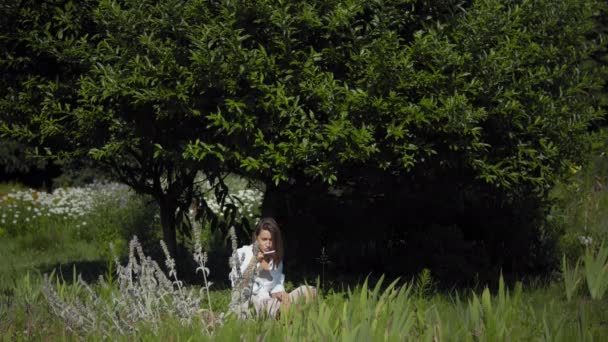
(265, 240)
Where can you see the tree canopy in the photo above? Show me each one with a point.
(488, 96)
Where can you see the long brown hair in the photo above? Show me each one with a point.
(269, 224)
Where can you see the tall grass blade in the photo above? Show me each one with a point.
(572, 277)
(424, 283)
(596, 271)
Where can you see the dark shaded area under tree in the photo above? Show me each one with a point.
(463, 231)
(16, 167)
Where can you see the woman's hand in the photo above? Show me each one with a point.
(282, 296)
(262, 260)
(260, 256)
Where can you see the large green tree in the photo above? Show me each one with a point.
(491, 93)
(144, 88)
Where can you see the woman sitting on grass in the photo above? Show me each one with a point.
(260, 280)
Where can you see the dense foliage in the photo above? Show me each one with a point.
(457, 116)
(476, 110)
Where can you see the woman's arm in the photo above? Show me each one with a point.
(278, 291)
(280, 279)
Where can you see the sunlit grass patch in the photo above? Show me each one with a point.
(6, 188)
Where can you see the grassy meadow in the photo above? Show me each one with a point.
(67, 233)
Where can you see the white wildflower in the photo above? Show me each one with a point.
(585, 240)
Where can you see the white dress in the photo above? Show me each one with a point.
(265, 283)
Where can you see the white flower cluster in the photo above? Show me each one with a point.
(246, 201)
(21, 207)
(585, 240)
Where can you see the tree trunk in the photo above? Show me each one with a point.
(167, 219)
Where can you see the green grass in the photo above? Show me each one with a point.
(375, 314)
(6, 188)
(16, 259)
(393, 312)
(383, 312)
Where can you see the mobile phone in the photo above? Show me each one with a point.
(269, 252)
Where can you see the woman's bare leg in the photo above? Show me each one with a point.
(307, 292)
